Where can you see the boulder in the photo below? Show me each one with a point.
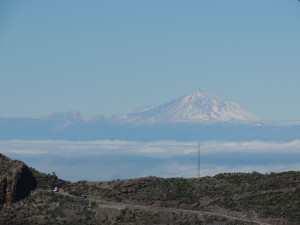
(16, 181)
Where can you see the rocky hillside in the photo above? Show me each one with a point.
(273, 198)
(226, 199)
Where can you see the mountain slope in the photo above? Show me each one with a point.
(240, 199)
(195, 108)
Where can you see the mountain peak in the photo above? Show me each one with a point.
(198, 95)
(194, 108)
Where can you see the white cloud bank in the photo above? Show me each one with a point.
(108, 159)
(160, 148)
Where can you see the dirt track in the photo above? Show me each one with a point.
(119, 207)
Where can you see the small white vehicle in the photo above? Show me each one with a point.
(55, 189)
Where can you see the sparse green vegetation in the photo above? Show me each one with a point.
(223, 199)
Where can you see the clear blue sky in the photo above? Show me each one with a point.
(108, 57)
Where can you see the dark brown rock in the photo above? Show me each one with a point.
(16, 181)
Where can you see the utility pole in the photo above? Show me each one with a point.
(199, 151)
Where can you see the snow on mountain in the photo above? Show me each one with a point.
(198, 107)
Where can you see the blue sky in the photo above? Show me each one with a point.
(108, 57)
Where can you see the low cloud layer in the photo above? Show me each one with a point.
(161, 148)
(108, 159)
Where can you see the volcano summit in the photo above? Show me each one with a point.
(198, 107)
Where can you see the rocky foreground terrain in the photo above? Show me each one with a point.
(26, 198)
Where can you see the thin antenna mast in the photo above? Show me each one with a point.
(199, 151)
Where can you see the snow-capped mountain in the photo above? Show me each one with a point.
(198, 107)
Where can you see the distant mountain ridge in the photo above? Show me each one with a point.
(198, 107)
(195, 117)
